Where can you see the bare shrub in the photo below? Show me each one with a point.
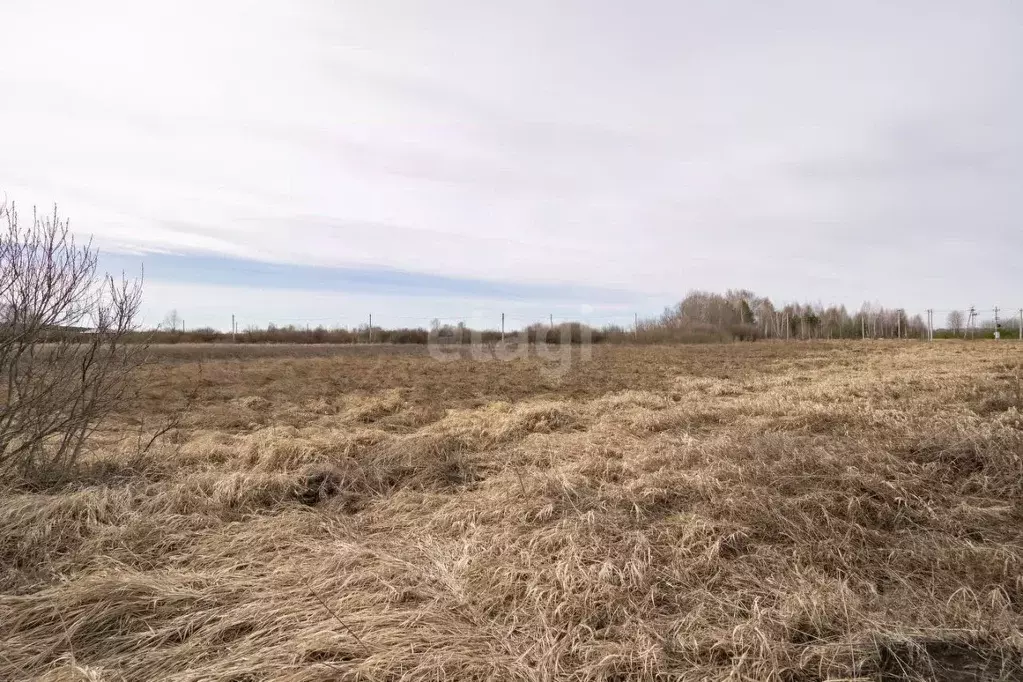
(63, 363)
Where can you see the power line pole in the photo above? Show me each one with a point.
(635, 325)
(969, 324)
(233, 328)
(997, 333)
(552, 320)
(371, 327)
(898, 333)
(502, 327)
(930, 324)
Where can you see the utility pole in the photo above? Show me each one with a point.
(635, 324)
(930, 324)
(502, 327)
(371, 327)
(969, 324)
(997, 333)
(863, 327)
(898, 333)
(182, 326)
(552, 320)
(233, 328)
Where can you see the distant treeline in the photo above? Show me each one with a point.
(573, 332)
(739, 314)
(701, 317)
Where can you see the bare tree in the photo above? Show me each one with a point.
(64, 363)
(172, 321)
(955, 321)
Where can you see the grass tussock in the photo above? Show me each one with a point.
(764, 512)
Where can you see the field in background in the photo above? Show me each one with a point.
(201, 352)
(763, 511)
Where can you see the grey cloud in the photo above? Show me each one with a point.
(856, 147)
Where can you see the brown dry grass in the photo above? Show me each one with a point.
(765, 511)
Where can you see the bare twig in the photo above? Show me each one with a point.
(179, 415)
(338, 619)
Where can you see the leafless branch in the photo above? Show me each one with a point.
(64, 365)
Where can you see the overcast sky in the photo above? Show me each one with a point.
(313, 162)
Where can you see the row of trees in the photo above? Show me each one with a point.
(740, 314)
(700, 317)
(574, 332)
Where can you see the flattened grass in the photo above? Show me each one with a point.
(762, 511)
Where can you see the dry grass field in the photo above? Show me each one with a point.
(767, 511)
